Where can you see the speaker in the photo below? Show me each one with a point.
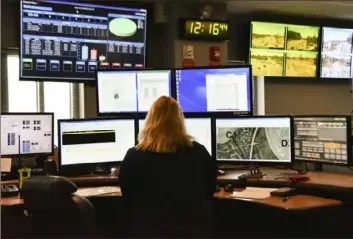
(49, 167)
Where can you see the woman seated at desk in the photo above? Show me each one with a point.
(168, 180)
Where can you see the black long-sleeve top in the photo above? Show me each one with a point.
(167, 190)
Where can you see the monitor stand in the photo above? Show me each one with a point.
(101, 169)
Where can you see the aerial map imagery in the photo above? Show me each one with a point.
(256, 143)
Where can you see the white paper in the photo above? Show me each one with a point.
(88, 192)
(6, 165)
(254, 193)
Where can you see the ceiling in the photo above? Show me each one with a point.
(327, 9)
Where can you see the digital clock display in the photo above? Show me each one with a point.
(205, 29)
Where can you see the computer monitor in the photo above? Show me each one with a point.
(257, 140)
(323, 139)
(131, 91)
(27, 134)
(199, 128)
(69, 40)
(94, 141)
(221, 89)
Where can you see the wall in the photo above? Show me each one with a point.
(293, 96)
(201, 48)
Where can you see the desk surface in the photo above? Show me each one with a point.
(295, 203)
(315, 178)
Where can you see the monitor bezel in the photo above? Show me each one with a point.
(349, 140)
(260, 163)
(318, 59)
(85, 166)
(87, 81)
(221, 113)
(132, 113)
(52, 137)
(321, 54)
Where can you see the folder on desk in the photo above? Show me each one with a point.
(89, 192)
(254, 193)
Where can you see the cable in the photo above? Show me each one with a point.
(350, 168)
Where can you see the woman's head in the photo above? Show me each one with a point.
(164, 129)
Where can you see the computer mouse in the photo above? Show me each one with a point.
(229, 188)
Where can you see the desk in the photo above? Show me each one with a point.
(279, 177)
(299, 202)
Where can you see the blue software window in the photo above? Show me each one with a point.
(214, 89)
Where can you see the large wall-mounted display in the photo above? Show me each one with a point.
(283, 49)
(336, 53)
(69, 41)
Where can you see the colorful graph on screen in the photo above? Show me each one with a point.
(283, 49)
(336, 53)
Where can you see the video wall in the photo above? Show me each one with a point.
(284, 49)
(336, 53)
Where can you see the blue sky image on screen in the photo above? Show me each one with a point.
(194, 95)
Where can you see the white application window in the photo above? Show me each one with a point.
(117, 92)
(201, 130)
(226, 92)
(152, 85)
(26, 134)
(100, 141)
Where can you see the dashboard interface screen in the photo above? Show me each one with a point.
(214, 89)
(253, 140)
(199, 128)
(95, 141)
(131, 91)
(26, 134)
(66, 40)
(321, 139)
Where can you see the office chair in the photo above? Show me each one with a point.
(53, 209)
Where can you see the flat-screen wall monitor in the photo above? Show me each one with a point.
(284, 50)
(227, 89)
(27, 134)
(69, 41)
(254, 140)
(336, 53)
(323, 139)
(199, 128)
(94, 141)
(131, 91)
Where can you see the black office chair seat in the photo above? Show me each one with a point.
(55, 211)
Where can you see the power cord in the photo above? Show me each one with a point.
(350, 168)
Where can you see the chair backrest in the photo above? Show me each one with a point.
(54, 208)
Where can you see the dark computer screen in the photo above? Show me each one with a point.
(27, 134)
(69, 41)
(321, 139)
(214, 89)
(254, 139)
(131, 91)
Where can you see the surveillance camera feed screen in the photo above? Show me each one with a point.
(66, 40)
(321, 139)
(336, 53)
(214, 89)
(258, 139)
(284, 50)
(131, 90)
